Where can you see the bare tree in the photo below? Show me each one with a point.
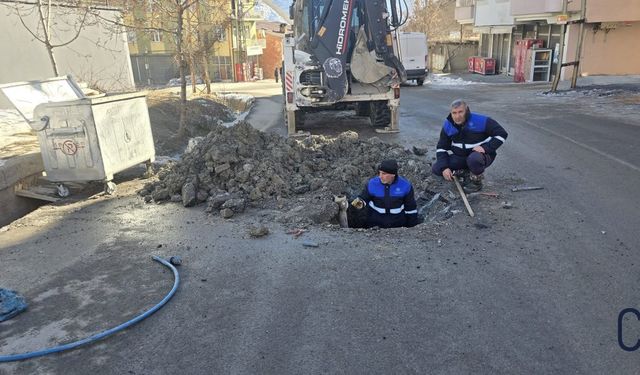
(209, 25)
(185, 21)
(57, 25)
(166, 16)
(434, 18)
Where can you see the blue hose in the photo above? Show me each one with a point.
(103, 334)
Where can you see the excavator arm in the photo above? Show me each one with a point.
(379, 33)
(329, 45)
(331, 31)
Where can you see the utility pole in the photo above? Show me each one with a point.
(556, 78)
(240, 18)
(576, 62)
(583, 12)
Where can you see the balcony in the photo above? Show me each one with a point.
(528, 7)
(464, 11)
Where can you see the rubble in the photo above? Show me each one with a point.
(233, 168)
(259, 231)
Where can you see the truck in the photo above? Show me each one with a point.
(413, 52)
(341, 56)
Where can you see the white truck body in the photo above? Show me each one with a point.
(413, 52)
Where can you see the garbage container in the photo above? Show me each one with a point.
(84, 138)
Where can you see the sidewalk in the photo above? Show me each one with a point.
(627, 82)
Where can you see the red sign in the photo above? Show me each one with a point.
(69, 147)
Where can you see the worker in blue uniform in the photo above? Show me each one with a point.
(389, 199)
(468, 143)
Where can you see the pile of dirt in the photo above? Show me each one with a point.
(203, 113)
(232, 168)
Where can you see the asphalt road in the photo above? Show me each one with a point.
(532, 289)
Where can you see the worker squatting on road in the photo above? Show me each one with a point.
(468, 142)
(389, 199)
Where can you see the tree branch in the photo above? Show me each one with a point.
(78, 30)
(27, 27)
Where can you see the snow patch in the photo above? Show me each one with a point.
(444, 80)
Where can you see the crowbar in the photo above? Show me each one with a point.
(464, 196)
(526, 188)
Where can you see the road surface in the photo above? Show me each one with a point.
(532, 289)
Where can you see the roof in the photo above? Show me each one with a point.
(269, 25)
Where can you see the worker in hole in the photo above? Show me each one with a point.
(389, 199)
(468, 143)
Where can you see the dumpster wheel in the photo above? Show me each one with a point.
(110, 188)
(62, 191)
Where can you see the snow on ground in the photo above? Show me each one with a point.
(245, 99)
(445, 80)
(591, 93)
(16, 136)
(620, 102)
(11, 121)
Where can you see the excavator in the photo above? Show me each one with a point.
(341, 56)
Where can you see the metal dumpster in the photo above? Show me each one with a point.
(84, 138)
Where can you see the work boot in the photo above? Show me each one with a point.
(474, 184)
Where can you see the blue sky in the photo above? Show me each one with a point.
(284, 4)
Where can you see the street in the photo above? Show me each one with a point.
(536, 288)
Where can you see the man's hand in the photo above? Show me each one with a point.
(479, 149)
(447, 174)
(357, 203)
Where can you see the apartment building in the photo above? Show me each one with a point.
(234, 47)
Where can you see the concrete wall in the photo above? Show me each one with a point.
(523, 7)
(493, 13)
(13, 170)
(456, 54)
(606, 52)
(100, 56)
(613, 10)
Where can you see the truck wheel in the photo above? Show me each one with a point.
(380, 114)
(363, 109)
(420, 81)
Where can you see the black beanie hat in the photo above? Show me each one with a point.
(389, 166)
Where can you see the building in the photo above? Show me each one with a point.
(227, 39)
(273, 35)
(610, 27)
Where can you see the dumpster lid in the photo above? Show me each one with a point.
(25, 96)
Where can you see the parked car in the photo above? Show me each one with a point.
(176, 81)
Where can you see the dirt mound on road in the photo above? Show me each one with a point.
(235, 167)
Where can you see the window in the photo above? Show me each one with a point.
(156, 36)
(220, 34)
(132, 37)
